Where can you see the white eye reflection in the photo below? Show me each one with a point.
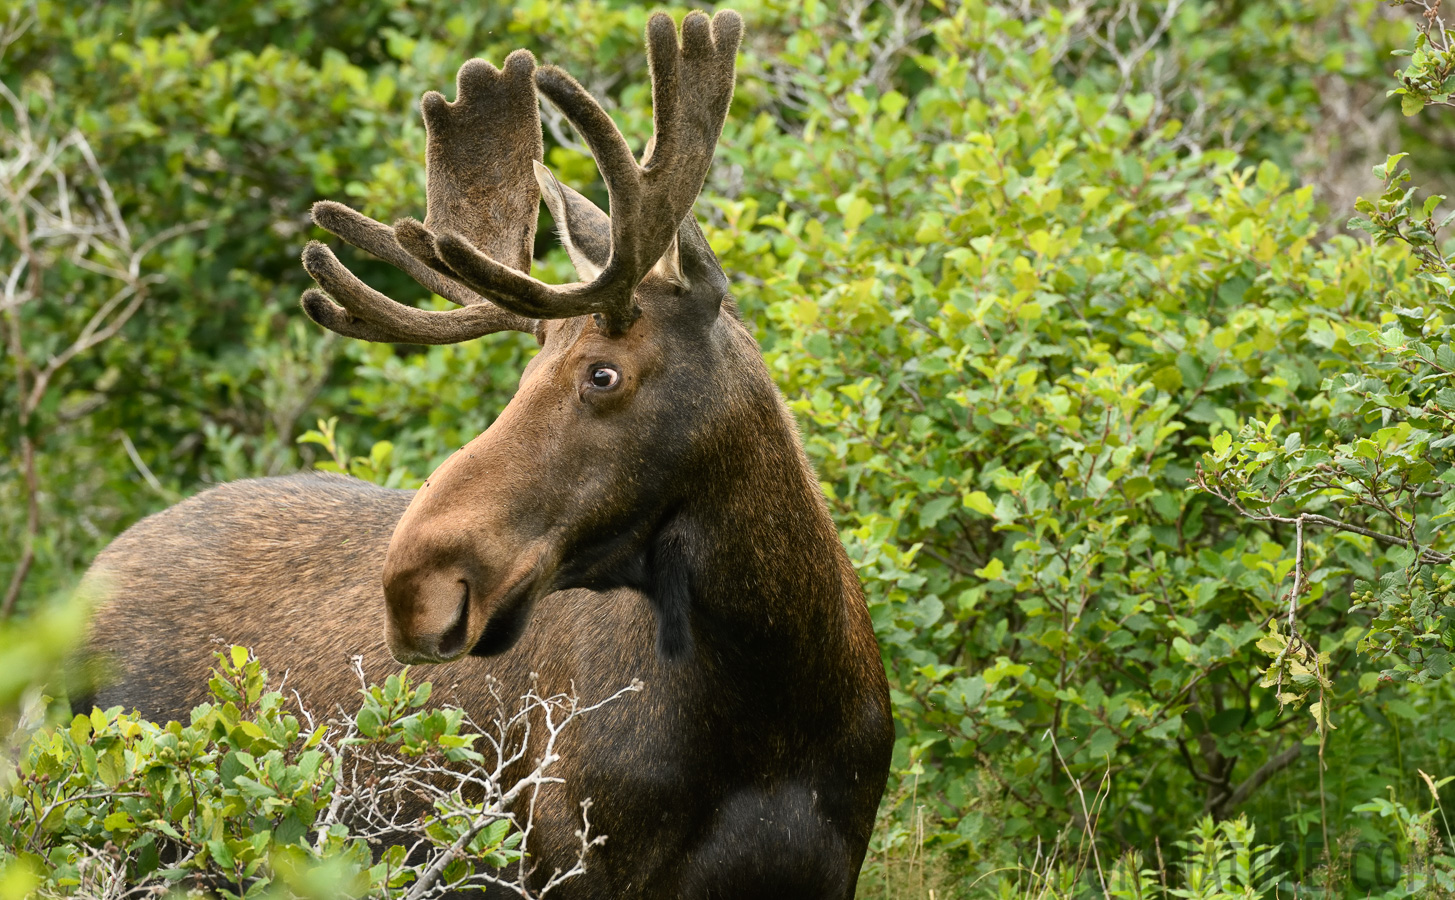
(604, 377)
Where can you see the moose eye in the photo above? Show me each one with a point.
(604, 377)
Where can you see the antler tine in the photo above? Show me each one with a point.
(380, 240)
(692, 87)
(364, 313)
(479, 159)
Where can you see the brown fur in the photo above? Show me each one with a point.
(665, 526)
(742, 739)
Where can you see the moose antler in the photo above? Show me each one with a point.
(481, 185)
(692, 85)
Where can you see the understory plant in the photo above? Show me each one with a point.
(253, 797)
(1013, 314)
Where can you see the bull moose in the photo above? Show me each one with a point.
(641, 509)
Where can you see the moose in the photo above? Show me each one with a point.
(642, 508)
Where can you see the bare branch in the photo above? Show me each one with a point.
(46, 221)
(381, 792)
(1260, 776)
(1426, 555)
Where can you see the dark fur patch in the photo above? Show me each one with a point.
(767, 845)
(505, 627)
(670, 592)
(662, 570)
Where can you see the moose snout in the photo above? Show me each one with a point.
(428, 614)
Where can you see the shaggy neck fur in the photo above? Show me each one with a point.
(771, 592)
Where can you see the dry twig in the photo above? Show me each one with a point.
(57, 210)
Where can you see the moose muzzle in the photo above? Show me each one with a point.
(429, 613)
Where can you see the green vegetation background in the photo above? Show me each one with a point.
(1020, 269)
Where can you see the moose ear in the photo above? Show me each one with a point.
(669, 267)
(697, 266)
(584, 229)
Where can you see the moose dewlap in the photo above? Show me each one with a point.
(641, 509)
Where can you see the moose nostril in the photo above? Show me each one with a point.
(452, 642)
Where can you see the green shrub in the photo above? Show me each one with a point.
(1012, 315)
(248, 799)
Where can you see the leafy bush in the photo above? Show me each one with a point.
(1012, 315)
(249, 800)
(1222, 862)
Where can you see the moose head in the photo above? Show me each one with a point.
(630, 416)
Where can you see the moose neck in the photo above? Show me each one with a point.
(771, 586)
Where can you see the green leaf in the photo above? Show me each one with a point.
(383, 90)
(220, 853)
(1168, 378)
(893, 103)
(979, 501)
(1383, 170)
(935, 510)
(855, 210)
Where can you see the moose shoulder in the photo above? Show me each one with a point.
(641, 509)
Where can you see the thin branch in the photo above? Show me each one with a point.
(1432, 557)
(141, 465)
(1260, 776)
(1085, 812)
(45, 221)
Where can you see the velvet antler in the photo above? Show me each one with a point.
(481, 186)
(692, 85)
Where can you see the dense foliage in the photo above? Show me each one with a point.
(1143, 457)
(247, 800)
